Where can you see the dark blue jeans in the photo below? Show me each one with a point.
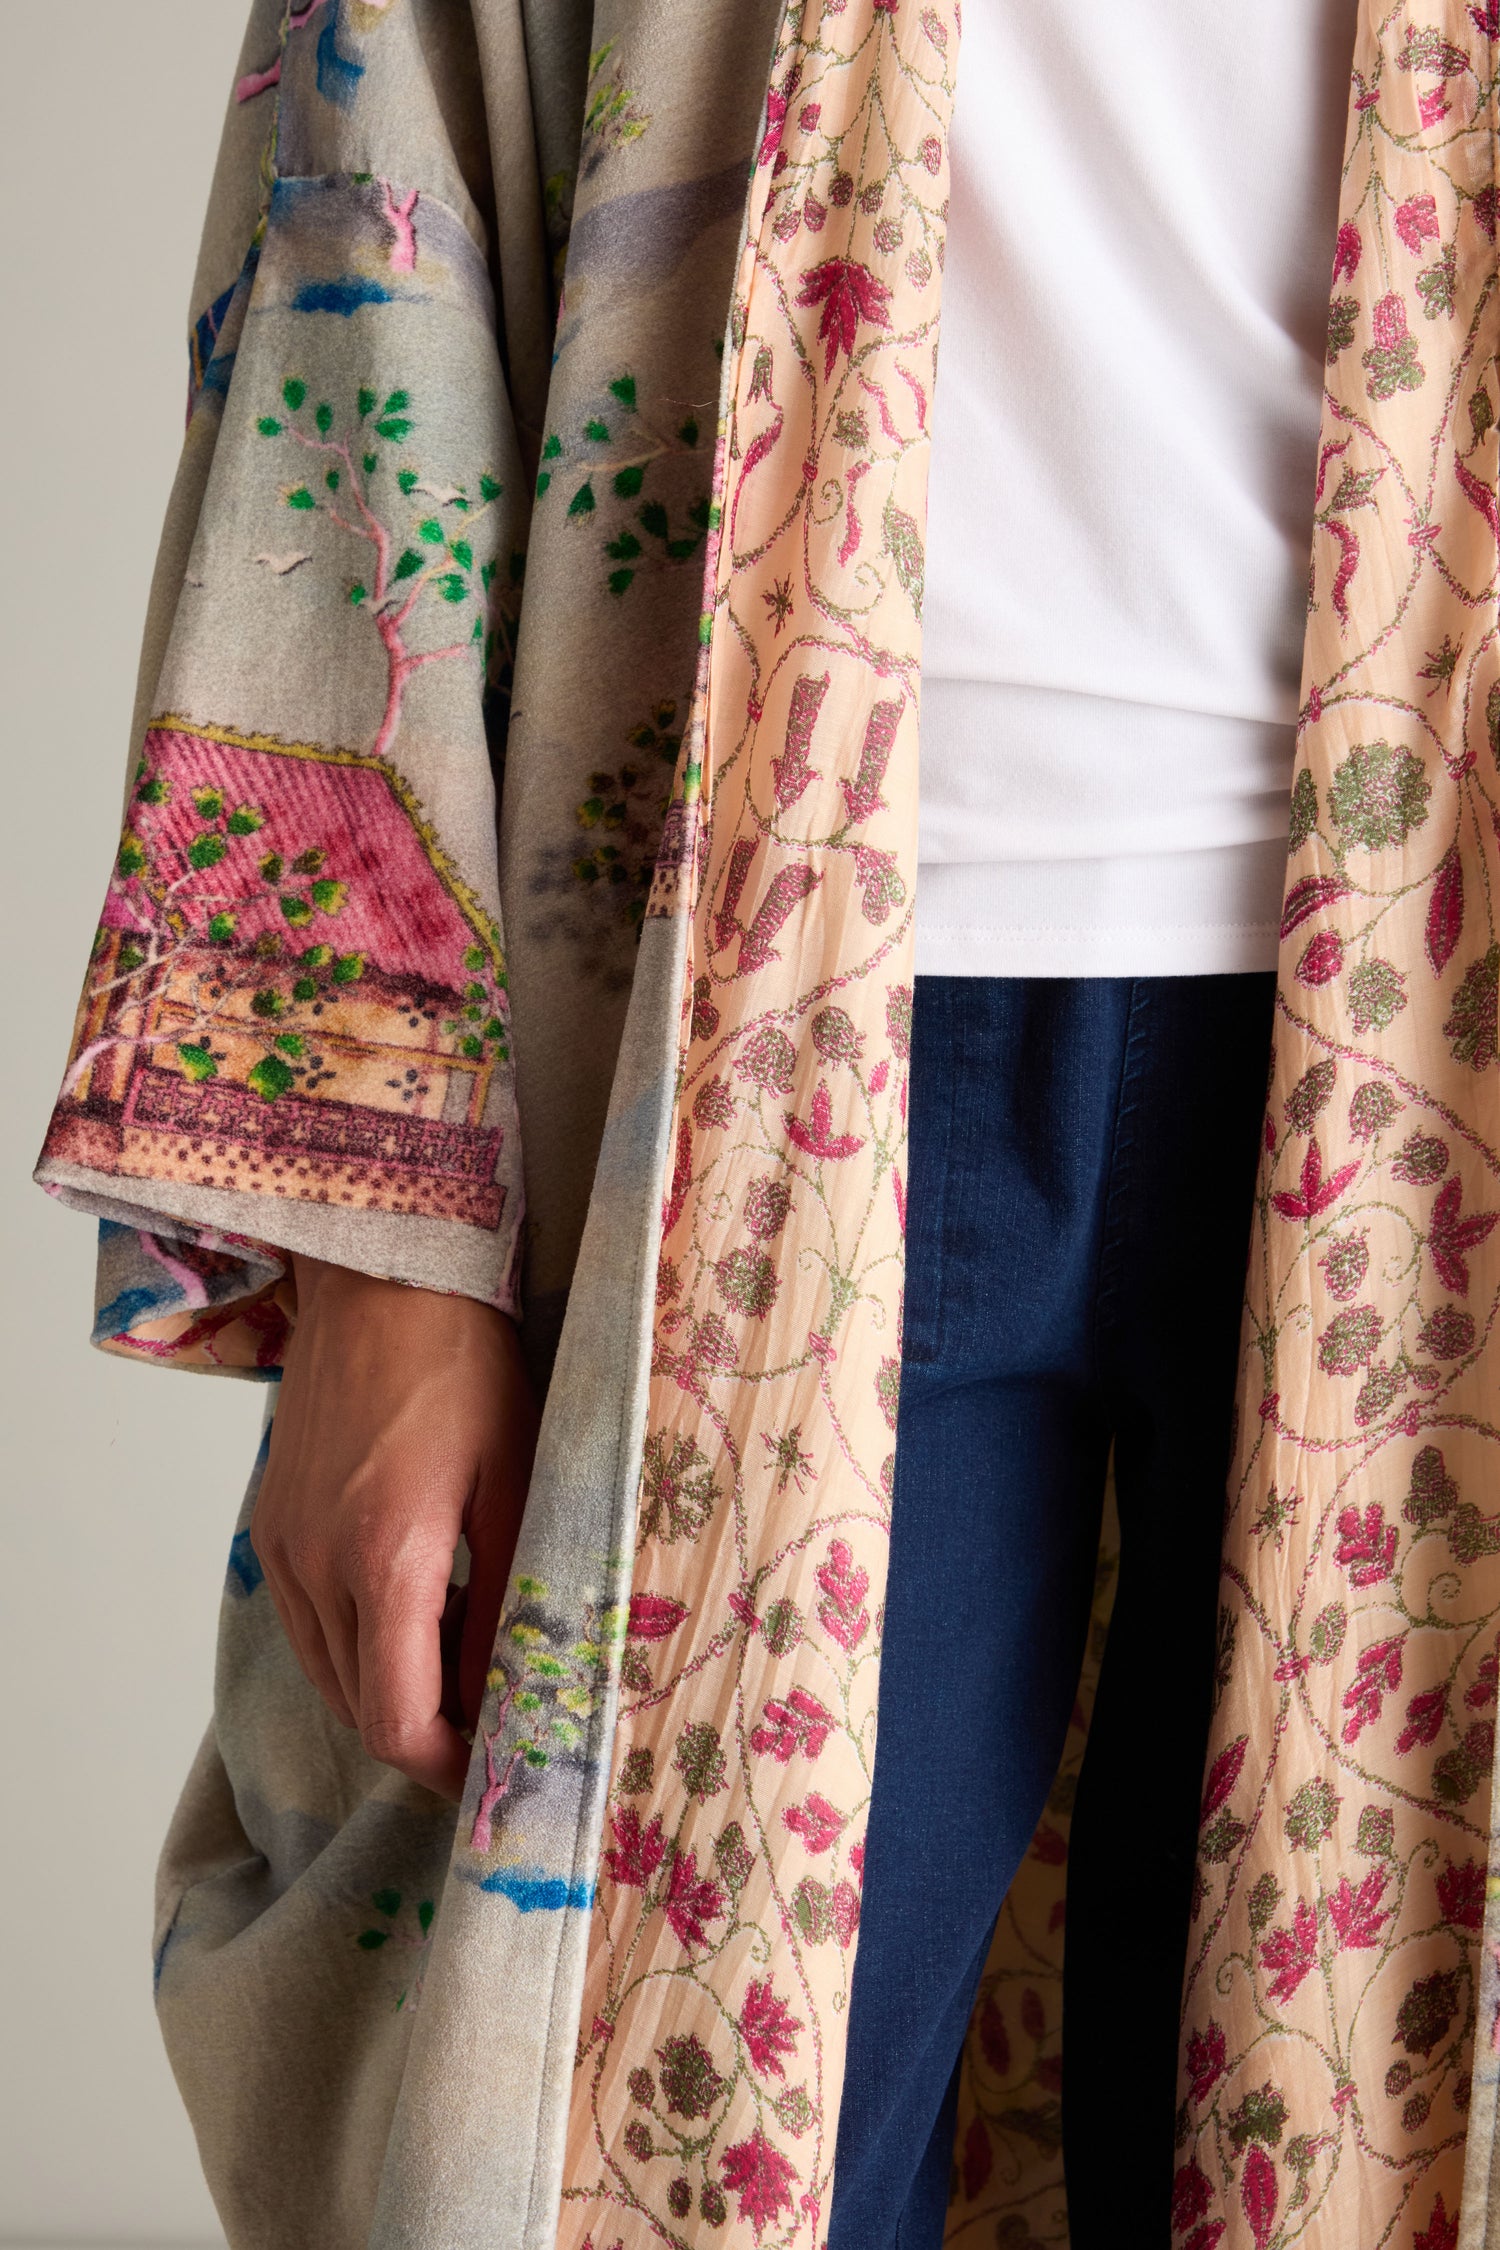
(1082, 1168)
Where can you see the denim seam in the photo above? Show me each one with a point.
(934, 1234)
(1127, 1101)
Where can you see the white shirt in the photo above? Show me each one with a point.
(1135, 300)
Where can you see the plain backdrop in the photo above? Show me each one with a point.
(120, 1482)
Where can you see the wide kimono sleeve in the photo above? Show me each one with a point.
(293, 1031)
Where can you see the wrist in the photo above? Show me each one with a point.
(319, 1282)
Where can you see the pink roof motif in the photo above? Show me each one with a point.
(397, 907)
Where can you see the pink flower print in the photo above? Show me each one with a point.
(994, 2040)
(768, 2028)
(845, 1913)
(1486, 1683)
(788, 887)
(1290, 1954)
(637, 1852)
(1222, 1776)
(1314, 1194)
(744, 1611)
(841, 1612)
(800, 1723)
(1441, 2231)
(762, 2179)
(1485, 206)
(1378, 1674)
(1192, 2194)
(1309, 896)
(862, 795)
(1450, 1237)
(1432, 109)
(1391, 362)
(1207, 2059)
(653, 1617)
(682, 1178)
(1424, 1718)
(848, 293)
(818, 1823)
(713, 1346)
(1347, 539)
(978, 2160)
(817, 1138)
(691, 1900)
(1479, 495)
(1347, 251)
(1445, 915)
(878, 1077)
(1357, 1916)
(1417, 222)
(778, 102)
(1460, 1890)
(931, 154)
(1258, 2196)
(881, 887)
(1389, 320)
(1367, 1545)
(1322, 959)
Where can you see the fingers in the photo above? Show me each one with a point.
(304, 1630)
(405, 1420)
(373, 1651)
(401, 1720)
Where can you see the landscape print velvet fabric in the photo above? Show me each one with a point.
(551, 527)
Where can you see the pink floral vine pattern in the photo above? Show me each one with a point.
(1332, 2021)
(710, 2053)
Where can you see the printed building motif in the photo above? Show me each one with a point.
(291, 991)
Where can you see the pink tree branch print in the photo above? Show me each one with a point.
(261, 81)
(432, 560)
(496, 1783)
(399, 216)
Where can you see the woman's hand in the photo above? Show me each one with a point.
(405, 1418)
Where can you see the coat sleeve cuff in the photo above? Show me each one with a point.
(199, 1278)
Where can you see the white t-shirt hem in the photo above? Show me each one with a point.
(1203, 913)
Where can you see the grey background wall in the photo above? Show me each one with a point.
(120, 1483)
